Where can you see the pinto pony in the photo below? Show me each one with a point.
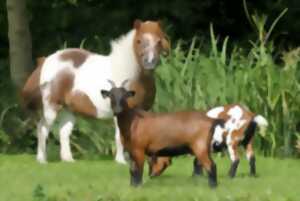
(73, 78)
(240, 126)
(166, 134)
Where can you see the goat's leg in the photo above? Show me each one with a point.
(152, 161)
(136, 167)
(65, 131)
(234, 157)
(202, 154)
(197, 168)
(120, 158)
(43, 129)
(157, 165)
(209, 166)
(251, 158)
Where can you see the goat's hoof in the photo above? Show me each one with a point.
(136, 184)
(213, 184)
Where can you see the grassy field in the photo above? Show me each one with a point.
(21, 178)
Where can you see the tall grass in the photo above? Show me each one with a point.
(195, 79)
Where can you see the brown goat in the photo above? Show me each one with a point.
(240, 126)
(167, 134)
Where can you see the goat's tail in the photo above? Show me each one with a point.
(31, 94)
(261, 121)
(257, 121)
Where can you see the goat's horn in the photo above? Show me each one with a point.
(112, 83)
(124, 82)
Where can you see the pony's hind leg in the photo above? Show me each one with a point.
(43, 129)
(65, 130)
(42, 135)
(120, 158)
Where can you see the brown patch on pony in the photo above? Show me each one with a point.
(79, 102)
(31, 94)
(145, 90)
(62, 94)
(61, 87)
(76, 55)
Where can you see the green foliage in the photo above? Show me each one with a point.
(189, 78)
(251, 78)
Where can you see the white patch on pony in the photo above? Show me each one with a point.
(120, 157)
(52, 65)
(215, 112)
(151, 46)
(91, 78)
(124, 64)
(218, 134)
(65, 130)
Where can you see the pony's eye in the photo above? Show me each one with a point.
(138, 41)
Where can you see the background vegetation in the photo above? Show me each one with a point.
(221, 55)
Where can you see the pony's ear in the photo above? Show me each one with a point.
(160, 23)
(137, 23)
(105, 93)
(165, 43)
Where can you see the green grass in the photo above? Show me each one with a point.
(22, 178)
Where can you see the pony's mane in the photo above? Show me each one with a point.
(123, 58)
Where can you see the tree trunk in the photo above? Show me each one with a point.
(20, 47)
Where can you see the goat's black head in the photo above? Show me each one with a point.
(118, 96)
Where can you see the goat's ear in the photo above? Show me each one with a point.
(130, 93)
(105, 93)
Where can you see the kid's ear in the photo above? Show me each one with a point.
(104, 93)
(130, 93)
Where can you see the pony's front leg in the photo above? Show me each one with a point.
(120, 158)
(65, 131)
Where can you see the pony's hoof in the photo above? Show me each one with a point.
(121, 160)
(41, 160)
(68, 160)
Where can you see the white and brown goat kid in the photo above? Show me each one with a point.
(166, 134)
(240, 126)
(72, 79)
(239, 129)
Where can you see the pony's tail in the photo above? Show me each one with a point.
(31, 94)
